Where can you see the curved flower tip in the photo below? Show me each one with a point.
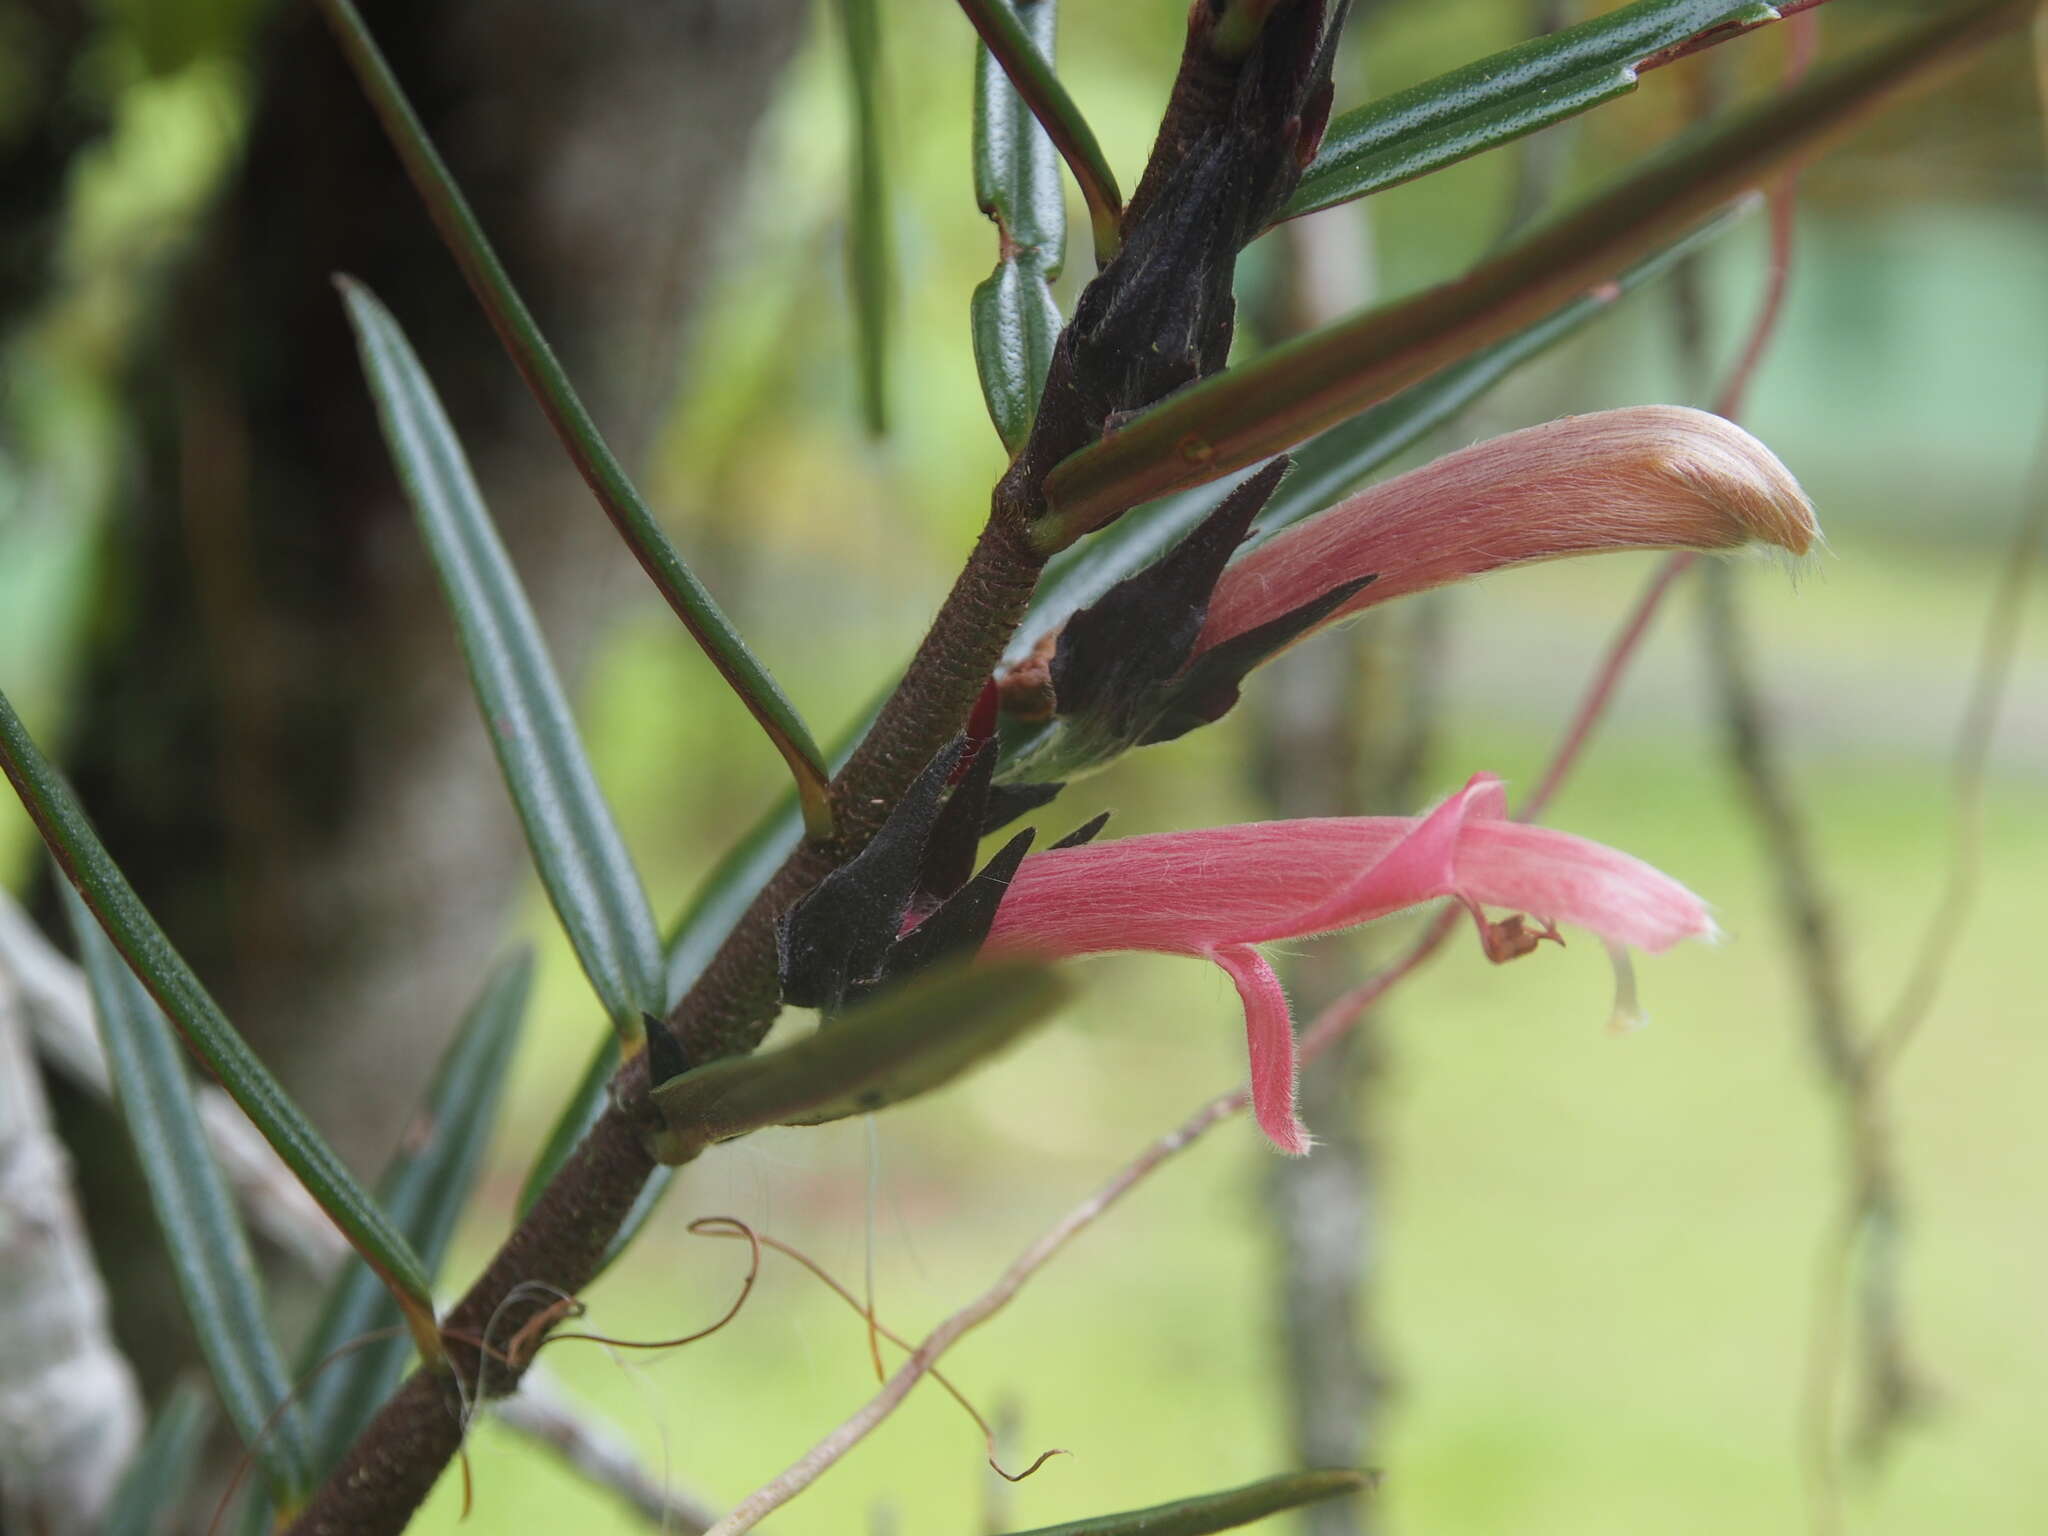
(1216, 894)
(1645, 477)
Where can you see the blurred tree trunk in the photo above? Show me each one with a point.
(1344, 730)
(277, 738)
(1338, 737)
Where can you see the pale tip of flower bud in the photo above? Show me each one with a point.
(1744, 493)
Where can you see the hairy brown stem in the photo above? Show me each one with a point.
(552, 1253)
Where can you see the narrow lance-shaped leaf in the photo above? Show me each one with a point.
(85, 861)
(907, 1042)
(1501, 97)
(1028, 63)
(1225, 1511)
(575, 842)
(726, 893)
(558, 400)
(425, 1190)
(1305, 386)
(202, 1233)
(1017, 184)
(1328, 466)
(152, 1489)
(868, 248)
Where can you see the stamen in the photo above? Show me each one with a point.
(1628, 1010)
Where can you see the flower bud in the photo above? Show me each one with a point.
(1645, 477)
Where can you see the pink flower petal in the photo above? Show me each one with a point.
(1423, 864)
(1269, 1036)
(1217, 893)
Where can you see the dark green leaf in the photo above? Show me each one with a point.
(725, 896)
(868, 253)
(1303, 387)
(1015, 323)
(154, 1486)
(424, 1189)
(579, 435)
(1218, 1511)
(1017, 184)
(906, 1042)
(70, 837)
(576, 846)
(202, 1232)
(1501, 97)
(1009, 32)
(726, 893)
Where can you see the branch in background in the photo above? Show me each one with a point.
(1593, 707)
(59, 1011)
(601, 1456)
(1868, 1224)
(70, 1414)
(1809, 920)
(1989, 685)
(50, 997)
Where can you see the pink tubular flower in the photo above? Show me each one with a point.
(1648, 477)
(1218, 893)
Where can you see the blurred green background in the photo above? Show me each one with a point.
(1595, 1258)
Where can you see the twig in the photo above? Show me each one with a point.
(1973, 750)
(541, 1411)
(1870, 1215)
(70, 1414)
(1593, 706)
(1870, 1209)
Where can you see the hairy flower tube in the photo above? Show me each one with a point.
(1644, 477)
(1218, 894)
